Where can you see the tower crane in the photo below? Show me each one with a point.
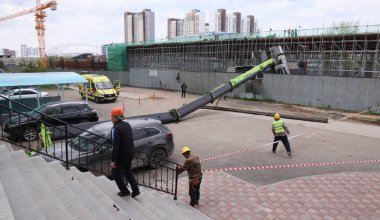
(40, 26)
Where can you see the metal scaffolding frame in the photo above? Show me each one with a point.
(330, 52)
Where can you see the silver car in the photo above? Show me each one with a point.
(93, 147)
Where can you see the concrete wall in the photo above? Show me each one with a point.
(356, 94)
(198, 83)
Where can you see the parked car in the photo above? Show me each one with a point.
(94, 145)
(69, 112)
(5, 89)
(23, 93)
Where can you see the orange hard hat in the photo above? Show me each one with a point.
(117, 111)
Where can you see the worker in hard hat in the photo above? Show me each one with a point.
(192, 165)
(280, 132)
(122, 153)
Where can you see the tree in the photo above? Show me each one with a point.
(33, 66)
(344, 27)
(2, 64)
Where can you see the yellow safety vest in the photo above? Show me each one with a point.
(46, 142)
(46, 136)
(278, 126)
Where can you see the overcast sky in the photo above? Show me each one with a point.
(91, 22)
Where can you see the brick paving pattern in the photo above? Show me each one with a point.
(331, 196)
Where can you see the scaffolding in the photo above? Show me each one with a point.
(349, 52)
(117, 57)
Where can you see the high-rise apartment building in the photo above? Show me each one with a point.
(229, 23)
(233, 23)
(251, 24)
(236, 16)
(194, 23)
(7, 53)
(139, 26)
(104, 50)
(175, 27)
(24, 50)
(33, 52)
(218, 21)
(29, 51)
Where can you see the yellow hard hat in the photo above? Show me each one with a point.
(276, 116)
(185, 149)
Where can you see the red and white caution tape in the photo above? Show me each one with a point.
(291, 165)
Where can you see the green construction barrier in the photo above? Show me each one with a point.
(117, 57)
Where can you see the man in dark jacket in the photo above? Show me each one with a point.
(122, 153)
(183, 88)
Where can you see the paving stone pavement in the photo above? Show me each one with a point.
(353, 195)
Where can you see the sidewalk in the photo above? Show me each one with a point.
(333, 196)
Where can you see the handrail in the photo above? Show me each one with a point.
(93, 159)
(294, 32)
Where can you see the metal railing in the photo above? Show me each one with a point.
(72, 149)
(324, 31)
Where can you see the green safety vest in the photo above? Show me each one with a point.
(278, 126)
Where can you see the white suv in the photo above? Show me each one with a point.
(23, 93)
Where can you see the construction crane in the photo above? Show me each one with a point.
(40, 26)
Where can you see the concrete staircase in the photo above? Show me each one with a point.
(31, 188)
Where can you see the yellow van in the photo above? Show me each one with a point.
(99, 88)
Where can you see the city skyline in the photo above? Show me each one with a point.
(219, 22)
(95, 23)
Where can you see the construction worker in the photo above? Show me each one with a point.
(192, 165)
(122, 153)
(183, 88)
(280, 132)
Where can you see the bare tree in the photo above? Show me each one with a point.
(344, 27)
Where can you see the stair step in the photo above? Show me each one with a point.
(147, 203)
(173, 209)
(43, 194)
(85, 181)
(96, 196)
(71, 201)
(5, 207)
(15, 187)
(110, 188)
